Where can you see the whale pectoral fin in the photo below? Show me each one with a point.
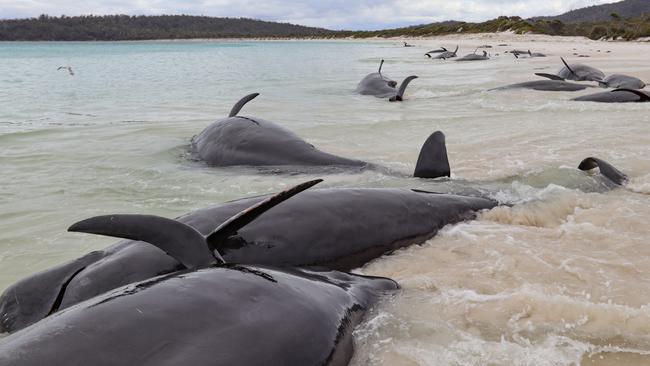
(432, 161)
(243, 218)
(644, 97)
(606, 169)
(240, 104)
(178, 240)
(549, 76)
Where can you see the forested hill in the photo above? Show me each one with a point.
(604, 12)
(125, 27)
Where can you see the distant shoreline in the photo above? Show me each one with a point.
(534, 37)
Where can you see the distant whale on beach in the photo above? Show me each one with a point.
(444, 55)
(621, 81)
(616, 96)
(576, 72)
(252, 141)
(474, 57)
(381, 86)
(545, 85)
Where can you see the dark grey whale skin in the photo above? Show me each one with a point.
(223, 315)
(336, 228)
(614, 96)
(546, 85)
(247, 141)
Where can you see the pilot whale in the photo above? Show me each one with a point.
(338, 228)
(577, 72)
(219, 314)
(381, 86)
(252, 141)
(616, 96)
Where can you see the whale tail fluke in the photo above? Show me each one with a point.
(400, 92)
(432, 161)
(179, 240)
(549, 76)
(606, 169)
(241, 103)
(644, 97)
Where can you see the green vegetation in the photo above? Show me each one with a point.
(628, 29)
(125, 27)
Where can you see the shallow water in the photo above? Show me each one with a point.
(561, 279)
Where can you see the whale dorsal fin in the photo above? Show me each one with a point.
(568, 67)
(444, 49)
(402, 87)
(644, 97)
(606, 169)
(380, 65)
(549, 76)
(433, 161)
(180, 241)
(243, 218)
(456, 50)
(239, 105)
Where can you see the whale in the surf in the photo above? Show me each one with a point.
(444, 55)
(620, 81)
(616, 96)
(519, 54)
(474, 57)
(208, 314)
(337, 228)
(236, 141)
(438, 50)
(381, 86)
(252, 141)
(576, 72)
(546, 85)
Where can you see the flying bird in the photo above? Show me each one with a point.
(67, 68)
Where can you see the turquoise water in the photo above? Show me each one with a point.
(113, 137)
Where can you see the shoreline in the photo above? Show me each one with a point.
(512, 37)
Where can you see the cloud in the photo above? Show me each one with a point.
(333, 14)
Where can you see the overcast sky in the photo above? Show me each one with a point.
(333, 14)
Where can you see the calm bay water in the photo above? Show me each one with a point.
(563, 279)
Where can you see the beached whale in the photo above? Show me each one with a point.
(444, 55)
(616, 96)
(335, 228)
(474, 57)
(546, 85)
(381, 86)
(216, 316)
(620, 81)
(252, 141)
(520, 54)
(576, 72)
(439, 50)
